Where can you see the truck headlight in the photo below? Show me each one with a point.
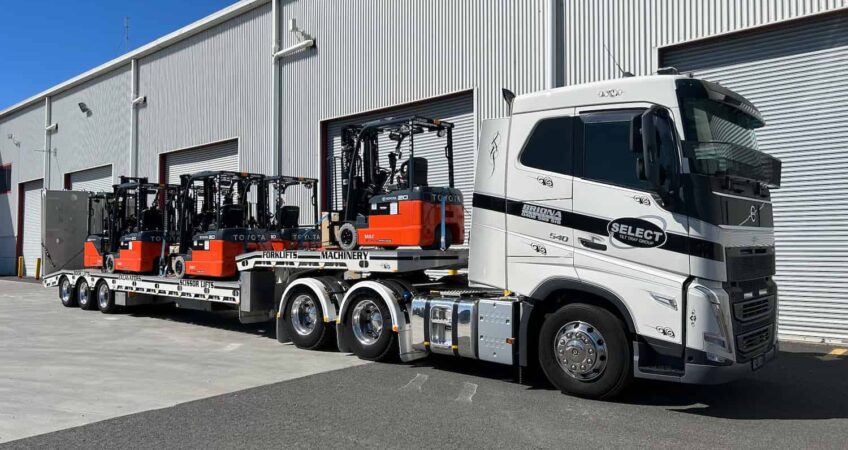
(708, 322)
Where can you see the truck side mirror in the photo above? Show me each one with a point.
(653, 171)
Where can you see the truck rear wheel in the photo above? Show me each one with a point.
(84, 297)
(66, 293)
(369, 328)
(584, 351)
(106, 299)
(303, 319)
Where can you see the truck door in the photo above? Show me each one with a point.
(625, 237)
(539, 198)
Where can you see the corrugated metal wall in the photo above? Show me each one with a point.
(633, 29)
(103, 137)
(207, 88)
(220, 156)
(376, 54)
(796, 75)
(31, 239)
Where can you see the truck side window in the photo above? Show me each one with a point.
(606, 149)
(550, 146)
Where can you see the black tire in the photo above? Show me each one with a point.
(67, 294)
(178, 266)
(613, 360)
(383, 347)
(348, 238)
(109, 263)
(437, 239)
(105, 298)
(84, 296)
(309, 335)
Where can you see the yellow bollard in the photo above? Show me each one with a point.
(37, 268)
(20, 266)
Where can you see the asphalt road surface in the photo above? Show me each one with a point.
(798, 401)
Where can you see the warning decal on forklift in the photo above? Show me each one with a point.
(636, 232)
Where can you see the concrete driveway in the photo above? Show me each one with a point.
(63, 367)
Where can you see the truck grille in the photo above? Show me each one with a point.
(755, 340)
(751, 310)
(747, 263)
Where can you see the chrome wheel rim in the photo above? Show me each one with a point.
(304, 314)
(65, 291)
(581, 350)
(367, 322)
(82, 297)
(103, 296)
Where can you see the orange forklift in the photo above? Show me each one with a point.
(97, 236)
(218, 221)
(136, 228)
(389, 207)
(284, 230)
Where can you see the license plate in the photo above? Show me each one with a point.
(758, 362)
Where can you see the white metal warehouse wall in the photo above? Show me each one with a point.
(103, 137)
(376, 54)
(634, 29)
(796, 75)
(210, 87)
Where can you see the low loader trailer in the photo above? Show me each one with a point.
(621, 229)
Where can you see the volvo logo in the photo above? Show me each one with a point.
(610, 93)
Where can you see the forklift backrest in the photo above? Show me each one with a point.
(289, 216)
(420, 172)
(231, 216)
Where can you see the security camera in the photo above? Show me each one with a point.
(140, 101)
(84, 108)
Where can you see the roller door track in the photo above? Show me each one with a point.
(31, 248)
(98, 179)
(796, 75)
(459, 110)
(220, 156)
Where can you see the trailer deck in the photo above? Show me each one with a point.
(358, 261)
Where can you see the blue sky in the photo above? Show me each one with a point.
(43, 43)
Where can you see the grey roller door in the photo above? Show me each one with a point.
(798, 77)
(98, 179)
(220, 156)
(31, 228)
(459, 110)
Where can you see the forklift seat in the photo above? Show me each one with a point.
(420, 172)
(289, 216)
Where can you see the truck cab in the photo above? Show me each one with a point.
(647, 198)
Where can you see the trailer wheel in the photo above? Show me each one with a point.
(348, 238)
(584, 351)
(304, 320)
(369, 328)
(106, 298)
(66, 293)
(109, 263)
(84, 297)
(178, 265)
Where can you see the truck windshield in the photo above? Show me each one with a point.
(719, 135)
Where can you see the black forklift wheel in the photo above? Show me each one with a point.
(348, 239)
(109, 264)
(178, 266)
(437, 239)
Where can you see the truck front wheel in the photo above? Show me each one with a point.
(584, 351)
(369, 328)
(304, 320)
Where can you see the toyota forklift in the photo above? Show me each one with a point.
(136, 228)
(222, 214)
(284, 231)
(390, 207)
(97, 233)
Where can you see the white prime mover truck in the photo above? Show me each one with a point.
(620, 229)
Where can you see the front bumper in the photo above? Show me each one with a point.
(715, 374)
